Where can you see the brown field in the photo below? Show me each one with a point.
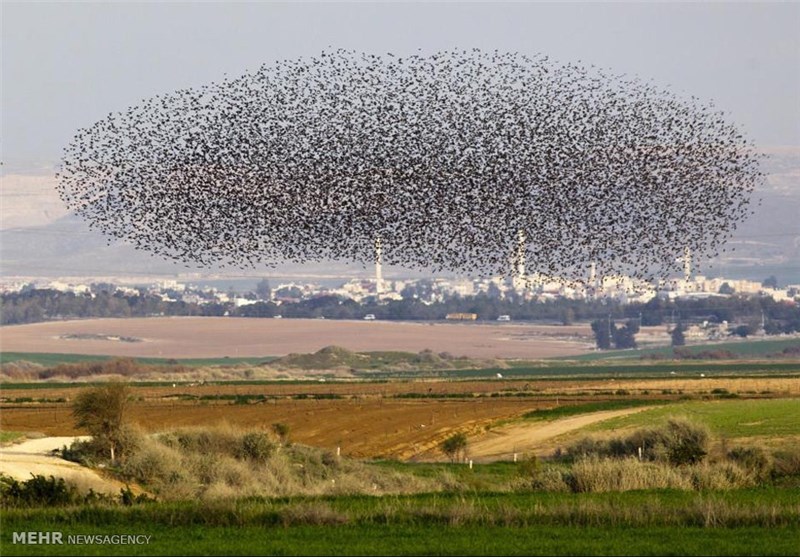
(216, 337)
(368, 421)
(575, 388)
(361, 427)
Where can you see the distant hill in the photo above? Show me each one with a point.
(336, 357)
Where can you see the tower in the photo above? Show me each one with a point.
(519, 280)
(687, 263)
(378, 266)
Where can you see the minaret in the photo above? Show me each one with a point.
(593, 274)
(378, 266)
(519, 280)
(687, 263)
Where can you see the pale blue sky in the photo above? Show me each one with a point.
(66, 65)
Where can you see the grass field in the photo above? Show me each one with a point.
(743, 348)
(729, 418)
(746, 522)
(578, 409)
(53, 359)
(10, 436)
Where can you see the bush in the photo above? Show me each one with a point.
(550, 480)
(594, 474)
(455, 446)
(753, 459)
(786, 463)
(529, 467)
(155, 464)
(38, 491)
(687, 443)
(281, 429)
(679, 442)
(256, 446)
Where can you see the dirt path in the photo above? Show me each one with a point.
(35, 457)
(527, 437)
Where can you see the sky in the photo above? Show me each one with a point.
(66, 65)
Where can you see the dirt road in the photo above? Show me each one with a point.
(534, 437)
(34, 457)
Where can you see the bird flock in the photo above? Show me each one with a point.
(465, 161)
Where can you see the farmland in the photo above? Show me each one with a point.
(747, 522)
(364, 472)
(211, 337)
(387, 419)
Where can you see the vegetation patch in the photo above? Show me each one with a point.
(728, 418)
(586, 408)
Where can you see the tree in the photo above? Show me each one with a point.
(726, 289)
(455, 446)
(602, 333)
(743, 331)
(770, 282)
(625, 336)
(678, 339)
(101, 410)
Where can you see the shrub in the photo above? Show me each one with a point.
(753, 459)
(599, 475)
(725, 475)
(38, 491)
(529, 467)
(550, 480)
(255, 446)
(687, 443)
(155, 464)
(455, 446)
(679, 442)
(281, 429)
(786, 463)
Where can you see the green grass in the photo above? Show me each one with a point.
(626, 369)
(551, 369)
(374, 539)
(728, 418)
(10, 436)
(493, 476)
(52, 359)
(577, 409)
(744, 348)
(741, 522)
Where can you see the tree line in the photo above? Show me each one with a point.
(617, 322)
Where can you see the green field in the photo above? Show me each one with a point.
(744, 348)
(49, 359)
(520, 369)
(746, 522)
(577, 409)
(424, 540)
(634, 369)
(728, 418)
